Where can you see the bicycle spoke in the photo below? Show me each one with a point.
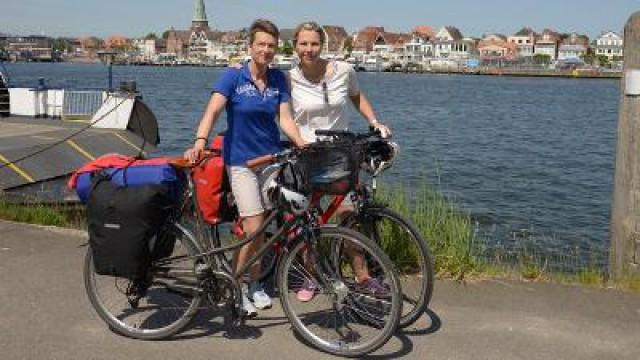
(148, 311)
(336, 318)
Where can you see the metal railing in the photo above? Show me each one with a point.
(81, 104)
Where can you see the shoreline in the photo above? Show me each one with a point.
(487, 71)
(534, 73)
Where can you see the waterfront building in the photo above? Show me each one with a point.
(610, 44)
(573, 48)
(147, 49)
(196, 43)
(376, 48)
(525, 40)
(337, 39)
(419, 48)
(390, 46)
(176, 40)
(29, 48)
(364, 40)
(449, 43)
(81, 47)
(547, 44)
(116, 42)
(497, 47)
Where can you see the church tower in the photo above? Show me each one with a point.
(199, 21)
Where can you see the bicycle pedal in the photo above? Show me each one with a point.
(238, 317)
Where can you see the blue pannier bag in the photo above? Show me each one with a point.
(132, 176)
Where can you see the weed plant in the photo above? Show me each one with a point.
(447, 230)
(42, 214)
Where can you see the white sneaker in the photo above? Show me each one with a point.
(260, 298)
(247, 306)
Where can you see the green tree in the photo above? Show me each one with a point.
(542, 59)
(61, 45)
(347, 48)
(286, 49)
(588, 58)
(165, 34)
(603, 60)
(151, 36)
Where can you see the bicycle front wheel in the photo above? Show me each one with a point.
(342, 317)
(152, 307)
(402, 242)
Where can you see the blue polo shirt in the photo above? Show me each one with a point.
(252, 130)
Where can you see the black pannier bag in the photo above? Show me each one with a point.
(122, 221)
(162, 245)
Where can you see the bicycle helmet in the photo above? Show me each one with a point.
(286, 190)
(379, 156)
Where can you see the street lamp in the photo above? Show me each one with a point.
(107, 58)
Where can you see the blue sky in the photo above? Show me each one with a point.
(473, 17)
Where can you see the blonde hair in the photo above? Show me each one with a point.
(309, 26)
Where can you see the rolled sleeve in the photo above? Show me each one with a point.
(283, 88)
(354, 87)
(225, 84)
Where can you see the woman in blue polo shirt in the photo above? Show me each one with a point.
(253, 97)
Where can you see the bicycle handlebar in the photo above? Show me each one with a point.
(373, 133)
(337, 134)
(261, 160)
(182, 163)
(270, 158)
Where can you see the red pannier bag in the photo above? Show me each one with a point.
(213, 190)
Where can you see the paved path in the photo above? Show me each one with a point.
(44, 314)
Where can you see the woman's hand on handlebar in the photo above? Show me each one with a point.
(195, 153)
(383, 130)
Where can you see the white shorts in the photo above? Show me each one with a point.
(249, 190)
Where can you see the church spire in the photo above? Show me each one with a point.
(199, 20)
(199, 12)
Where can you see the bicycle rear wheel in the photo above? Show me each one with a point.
(153, 307)
(408, 251)
(343, 318)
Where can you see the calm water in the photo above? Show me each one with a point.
(528, 158)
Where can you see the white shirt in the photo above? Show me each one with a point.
(323, 105)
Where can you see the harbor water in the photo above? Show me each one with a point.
(531, 159)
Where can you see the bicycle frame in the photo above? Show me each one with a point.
(337, 201)
(211, 249)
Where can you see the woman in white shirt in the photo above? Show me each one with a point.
(321, 91)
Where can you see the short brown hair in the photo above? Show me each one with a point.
(265, 26)
(309, 26)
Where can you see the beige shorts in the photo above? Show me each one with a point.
(250, 189)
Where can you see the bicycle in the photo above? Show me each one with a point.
(345, 320)
(376, 220)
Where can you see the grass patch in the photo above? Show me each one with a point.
(51, 215)
(460, 254)
(447, 230)
(630, 282)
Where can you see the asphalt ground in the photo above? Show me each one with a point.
(45, 314)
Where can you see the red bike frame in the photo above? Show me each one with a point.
(330, 210)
